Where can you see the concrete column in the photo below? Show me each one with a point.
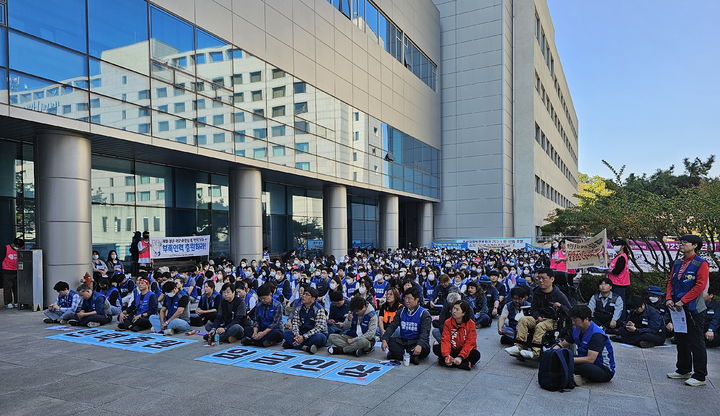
(425, 224)
(63, 164)
(335, 220)
(245, 214)
(389, 222)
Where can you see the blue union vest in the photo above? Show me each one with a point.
(307, 317)
(363, 324)
(606, 357)
(410, 324)
(67, 300)
(266, 313)
(142, 302)
(681, 285)
(171, 304)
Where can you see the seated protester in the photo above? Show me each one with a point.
(656, 299)
(440, 294)
(94, 309)
(358, 336)
(200, 280)
(445, 313)
(114, 265)
(414, 322)
(350, 284)
(266, 319)
(595, 360)
(291, 306)
(207, 308)
(643, 325)
(283, 291)
(388, 309)
(339, 309)
(248, 294)
(380, 286)
(495, 282)
(511, 314)
(68, 302)
(365, 290)
(98, 265)
(492, 295)
(547, 300)
(309, 325)
(712, 320)
(606, 307)
(111, 294)
(478, 305)
(174, 314)
(126, 287)
(458, 282)
(321, 282)
(428, 286)
(137, 316)
(231, 317)
(458, 346)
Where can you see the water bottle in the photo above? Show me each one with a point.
(406, 359)
(216, 339)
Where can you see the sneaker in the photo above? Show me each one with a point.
(232, 339)
(9, 306)
(358, 353)
(645, 344)
(616, 338)
(527, 354)
(579, 380)
(267, 343)
(513, 351)
(49, 321)
(287, 345)
(312, 349)
(246, 341)
(415, 359)
(693, 382)
(331, 350)
(168, 331)
(676, 375)
(74, 322)
(465, 366)
(63, 321)
(93, 324)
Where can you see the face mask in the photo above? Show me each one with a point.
(263, 273)
(402, 274)
(333, 285)
(317, 273)
(278, 277)
(555, 245)
(362, 274)
(113, 256)
(362, 290)
(431, 277)
(653, 299)
(243, 264)
(277, 264)
(95, 257)
(526, 271)
(170, 295)
(378, 278)
(617, 248)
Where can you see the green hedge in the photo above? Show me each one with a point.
(638, 286)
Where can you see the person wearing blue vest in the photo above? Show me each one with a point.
(686, 287)
(595, 359)
(94, 310)
(267, 320)
(414, 322)
(126, 287)
(380, 285)
(309, 324)
(137, 316)
(111, 294)
(174, 314)
(512, 312)
(429, 285)
(207, 308)
(478, 305)
(358, 336)
(492, 295)
(713, 321)
(643, 325)
(248, 296)
(65, 307)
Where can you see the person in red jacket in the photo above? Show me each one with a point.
(458, 346)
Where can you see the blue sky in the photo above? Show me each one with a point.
(644, 76)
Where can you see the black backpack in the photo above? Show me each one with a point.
(557, 367)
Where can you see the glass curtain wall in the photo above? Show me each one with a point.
(17, 193)
(364, 222)
(292, 219)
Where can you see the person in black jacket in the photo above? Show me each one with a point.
(712, 322)
(231, 316)
(548, 302)
(643, 325)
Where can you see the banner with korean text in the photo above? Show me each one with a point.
(170, 247)
(589, 253)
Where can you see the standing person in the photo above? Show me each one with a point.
(134, 252)
(686, 288)
(458, 347)
(9, 272)
(143, 247)
(558, 258)
(619, 271)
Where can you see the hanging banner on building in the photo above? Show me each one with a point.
(449, 246)
(589, 253)
(497, 243)
(529, 247)
(170, 247)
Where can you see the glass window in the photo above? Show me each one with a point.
(237, 79)
(59, 21)
(180, 124)
(44, 60)
(114, 27)
(278, 131)
(278, 111)
(163, 125)
(299, 87)
(218, 119)
(278, 151)
(278, 92)
(302, 165)
(302, 147)
(256, 76)
(277, 73)
(257, 95)
(219, 138)
(371, 19)
(238, 97)
(259, 153)
(174, 37)
(260, 133)
(301, 108)
(179, 108)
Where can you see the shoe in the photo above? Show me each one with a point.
(232, 339)
(312, 349)
(63, 321)
(74, 322)
(286, 345)
(527, 354)
(332, 351)
(513, 351)
(676, 375)
(579, 380)
(246, 341)
(415, 359)
(49, 321)
(267, 343)
(358, 353)
(9, 306)
(465, 366)
(168, 331)
(645, 344)
(693, 382)
(93, 324)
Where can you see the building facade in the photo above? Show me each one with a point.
(509, 128)
(316, 125)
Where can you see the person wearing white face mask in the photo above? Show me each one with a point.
(174, 314)
(619, 270)
(284, 289)
(379, 286)
(114, 265)
(98, 265)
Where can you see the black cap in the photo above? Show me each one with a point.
(692, 239)
(619, 242)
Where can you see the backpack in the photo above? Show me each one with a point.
(556, 370)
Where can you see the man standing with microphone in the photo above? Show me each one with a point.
(686, 287)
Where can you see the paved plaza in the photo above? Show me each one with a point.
(40, 376)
